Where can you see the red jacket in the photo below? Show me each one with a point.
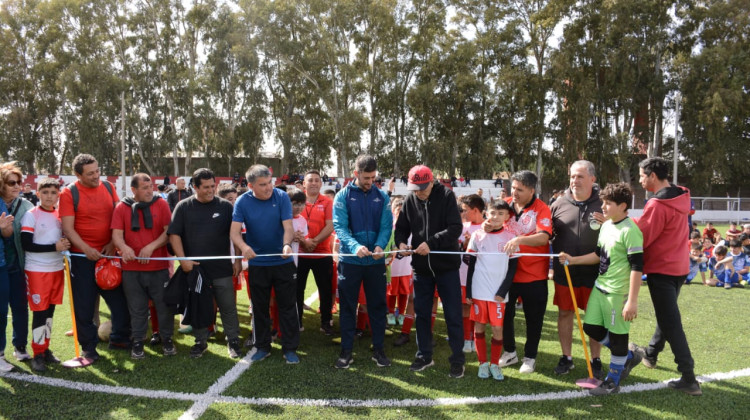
(664, 225)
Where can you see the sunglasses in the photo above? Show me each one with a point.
(12, 183)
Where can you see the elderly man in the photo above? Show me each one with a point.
(666, 265)
(363, 222)
(86, 209)
(319, 215)
(576, 218)
(266, 213)
(531, 221)
(431, 216)
(178, 194)
(200, 228)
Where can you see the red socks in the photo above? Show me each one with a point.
(468, 328)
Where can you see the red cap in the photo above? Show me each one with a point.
(420, 177)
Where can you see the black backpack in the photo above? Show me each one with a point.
(76, 195)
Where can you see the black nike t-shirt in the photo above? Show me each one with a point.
(204, 229)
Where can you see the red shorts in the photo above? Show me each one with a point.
(565, 303)
(362, 300)
(400, 285)
(463, 295)
(237, 280)
(44, 289)
(486, 312)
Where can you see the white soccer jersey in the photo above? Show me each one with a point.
(469, 228)
(401, 267)
(300, 225)
(47, 229)
(490, 269)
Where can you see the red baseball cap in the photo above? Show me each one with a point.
(420, 177)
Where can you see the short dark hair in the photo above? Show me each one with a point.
(81, 160)
(365, 163)
(329, 192)
(473, 201)
(201, 174)
(161, 187)
(525, 177)
(699, 247)
(225, 189)
(618, 193)
(312, 172)
(655, 165)
(720, 250)
(500, 205)
(47, 183)
(297, 196)
(734, 243)
(695, 235)
(282, 187)
(137, 178)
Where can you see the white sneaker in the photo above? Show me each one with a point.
(4, 365)
(468, 346)
(508, 359)
(528, 365)
(20, 354)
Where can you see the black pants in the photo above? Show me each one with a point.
(664, 291)
(534, 297)
(282, 278)
(322, 269)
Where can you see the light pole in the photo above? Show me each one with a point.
(677, 100)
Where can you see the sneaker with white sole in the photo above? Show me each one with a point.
(528, 365)
(508, 358)
(468, 346)
(496, 372)
(391, 319)
(484, 370)
(4, 365)
(20, 354)
(608, 387)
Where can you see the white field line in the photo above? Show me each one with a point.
(214, 391)
(202, 401)
(313, 297)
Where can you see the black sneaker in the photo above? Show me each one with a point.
(155, 339)
(420, 363)
(92, 355)
(379, 357)
(37, 363)
(648, 361)
(596, 369)
(114, 345)
(327, 330)
(233, 347)
(605, 388)
(457, 370)
(49, 357)
(629, 365)
(168, 348)
(198, 349)
(564, 366)
(344, 361)
(137, 351)
(401, 340)
(691, 388)
(359, 333)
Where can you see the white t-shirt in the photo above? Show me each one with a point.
(299, 224)
(490, 269)
(463, 271)
(47, 229)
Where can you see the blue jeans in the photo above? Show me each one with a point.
(449, 289)
(85, 294)
(4, 298)
(19, 306)
(372, 277)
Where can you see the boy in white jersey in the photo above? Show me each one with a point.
(614, 300)
(472, 209)
(490, 275)
(41, 239)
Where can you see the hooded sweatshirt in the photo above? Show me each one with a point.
(436, 221)
(664, 225)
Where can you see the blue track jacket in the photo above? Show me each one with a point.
(362, 219)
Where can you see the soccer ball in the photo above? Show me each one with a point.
(105, 329)
(743, 282)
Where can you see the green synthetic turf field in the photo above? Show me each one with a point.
(715, 321)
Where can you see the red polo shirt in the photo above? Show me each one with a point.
(534, 218)
(317, 214)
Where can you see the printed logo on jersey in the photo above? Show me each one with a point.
(545, 222)
(377, 200)
(526, 224)
(36, 299)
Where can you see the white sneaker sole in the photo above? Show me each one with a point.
(511, 361)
